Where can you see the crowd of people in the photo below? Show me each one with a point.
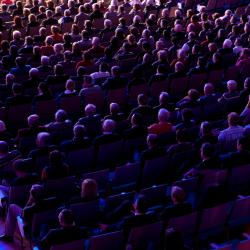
(166, 74)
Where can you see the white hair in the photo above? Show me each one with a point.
(45, 60)
(163, 115)
(108, 125)
(227, 44)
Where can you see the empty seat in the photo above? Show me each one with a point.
(157, 87)
(80, 160)
(155, 171)
(186, 225)
(213, 220)
(72, 105)
(87, 213)
(46, 109)
(125, 177)
(240, 214)
(197, 81)
(109, 154)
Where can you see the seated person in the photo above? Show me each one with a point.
(108, 135)
(34, 127)
(209, 160)
(138, 129)
(153, 151)
(69, 90)
(163, 126)
(43, 146)
(206, 135)
(57, 168)
(228, 137)
(61, 128)
(91, 121)
(143, 108)
(18, 97)
(67, 232)
(114, 114)
(80, 140)
(240, 157)
(179, 206)
(182, 144)
(189, 101)
(89, 192)
(231, 93)
(35, 204)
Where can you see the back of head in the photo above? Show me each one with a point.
(152, 140)
(163, 115)
(55, 158)
(233, 119)
(207, 150)
(60, 115)
(177, 194)
(79, 131)
(142, 99)
(33, 121)
(90, 109)
(43, 139)
(66, 218)
(89, 189)
(108, 126)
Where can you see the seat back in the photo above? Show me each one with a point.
(136, 90)
(155, 171)
(48, 217)
(17, 115)
(141, 237)
(114, 201)
(197, 81)
(215, 77)
(46, 109)
(178, 86)
(26, 144)
(125, 176)
(240, 212)
(239, 178)
(156, 194)
(101, 177)
(86, 213)
(80, 160)
(117, 96)
(213, 219)
(185, 224)
(109, 241)
(232, 73)
(19, 194)
(95, 97)
(109, 154)
(72, 105)
(77, 245)
(63, 188)
(157, 87)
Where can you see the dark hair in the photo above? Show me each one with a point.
(208, 149)
(56, 158)
(67, 216)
